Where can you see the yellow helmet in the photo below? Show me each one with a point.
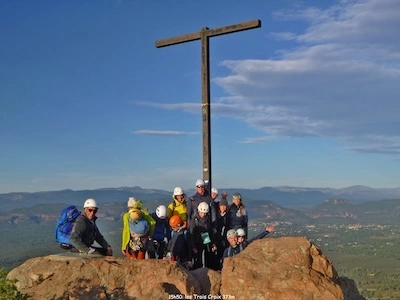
(135, 214)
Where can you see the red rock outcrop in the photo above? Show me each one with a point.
(272, 268)
(284, 268)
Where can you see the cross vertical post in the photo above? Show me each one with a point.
(204, 36)
(205, 105)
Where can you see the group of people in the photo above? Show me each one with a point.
(196, 232)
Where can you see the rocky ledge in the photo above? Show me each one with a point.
(272, 268)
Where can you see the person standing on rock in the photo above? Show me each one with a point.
(202, 195)
(85, 232)
(237, 215)
(158, 241)
(135, 231)
(178, 205)
(178, 247)
(221, 240)
(201, 237)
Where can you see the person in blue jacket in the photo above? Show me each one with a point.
(158, 241)
(237, 242)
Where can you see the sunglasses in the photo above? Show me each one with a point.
(92, 210)
(200, 186)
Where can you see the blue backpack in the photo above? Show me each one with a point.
(64, 226)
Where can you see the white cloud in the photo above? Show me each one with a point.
(164, 132)
(342, 80)
(187, 107)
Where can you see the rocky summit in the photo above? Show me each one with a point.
(272, 268)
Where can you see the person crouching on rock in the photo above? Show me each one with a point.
(85, 232)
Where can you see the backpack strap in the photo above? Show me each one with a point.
(173, 205)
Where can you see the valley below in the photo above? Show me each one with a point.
(361, 240)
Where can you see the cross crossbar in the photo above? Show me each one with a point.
(209, 32)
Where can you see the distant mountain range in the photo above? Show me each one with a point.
(292, 197)
(28, 217)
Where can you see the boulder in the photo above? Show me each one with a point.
(283, 268)
(271, 268)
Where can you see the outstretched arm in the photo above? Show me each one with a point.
(262, 234)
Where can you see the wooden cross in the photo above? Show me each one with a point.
(204, 36)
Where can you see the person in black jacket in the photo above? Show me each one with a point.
(202, 195)
(178, 246)
(237, 214)
(201, 237)
(222, 242)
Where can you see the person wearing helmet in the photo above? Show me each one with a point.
(202, 237)
(201, 195)
(178, 247)
(222, 242)
(214, 193)
(135, 230)
(242, 235)
(237, 214)
(234, 246)
(178, 205)
(85, 232)
(157, 243)
(176, 223)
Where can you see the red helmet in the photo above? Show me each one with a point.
(175, 221)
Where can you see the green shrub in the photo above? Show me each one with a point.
(8, 290)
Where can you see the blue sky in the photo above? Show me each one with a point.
(310, 99)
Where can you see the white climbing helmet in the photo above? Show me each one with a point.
(240, 232)
(178, 191)
(236, 196)
(203, 207)
(161, 211)
(231, 232)
(131, 201)
(90, 203)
